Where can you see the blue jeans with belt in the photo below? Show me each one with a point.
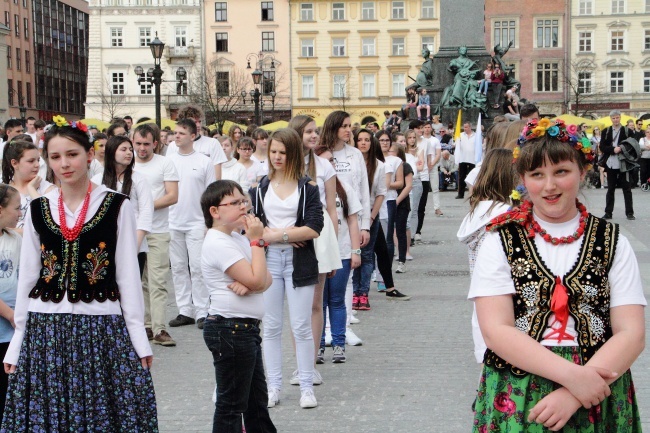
(241, 385)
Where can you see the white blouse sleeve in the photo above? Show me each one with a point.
(380, 176)
(624, 277)
(128, 280)
(30, 271)
(145, 203)
(491, 275)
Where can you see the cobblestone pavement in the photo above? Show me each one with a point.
(415, 371)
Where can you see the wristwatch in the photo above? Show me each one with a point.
(258, 243)
(357, 251)
(285, 237)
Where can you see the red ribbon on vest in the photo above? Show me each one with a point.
(560, 306)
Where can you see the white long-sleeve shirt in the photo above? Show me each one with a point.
(131, 303)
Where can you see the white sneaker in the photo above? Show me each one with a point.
(274, 397)
(374, 275)
(409, 257)
(295, 378)
(316, 380)
(401, 268)
(307, 399)
(328, 337)
(354, 320)
(418, 238)
(351, 338)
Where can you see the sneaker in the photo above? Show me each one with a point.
(409, 257)
(412, 242)
(374, 276)
(307, 399)
(418, 238)
(274, 397)
(354, 320)
(381, 287)
(339, 355)
(351, 338)
(164, 339)
(355, 302)
(401, 268)
(200, 323)
(149, 333)
(396, 295)
(328, 337)
(317, 379)
(363, 303)
(631, 217)
(295, 378)
(320, 357)
(181, 320)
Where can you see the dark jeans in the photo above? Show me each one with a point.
(401, 218)
(615, 177)
(645, 169)
(334, 301)
(463, 170)
(241, 385)
(384, 261)
(496, 92)
(361, 276)
(142, 259)
(391, 206)
(4, 379)
(441, 182)
(426, 188)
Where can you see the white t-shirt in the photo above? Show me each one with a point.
(210, 147)
(281, 213)
(413, 162)
(96, 169)
(26, 199)
(220, 252)
(195, 173)
(233, 170)
(492, 273)
(10, 243)
(354, 207)
(351, 168)
(157, 171)
(378, 184)
(434, 149)
(324, 172)
(262, 163)
(425, 146)
(391, 164)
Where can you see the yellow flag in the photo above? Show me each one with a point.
(458, 126)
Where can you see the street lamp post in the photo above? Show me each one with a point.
(255, 94)
(258, 76)
(154, 75)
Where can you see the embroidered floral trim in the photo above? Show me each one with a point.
(95, 266)
(50, 266)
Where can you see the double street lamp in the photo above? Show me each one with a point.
(154, 75)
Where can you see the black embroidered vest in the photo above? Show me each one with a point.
(587, 285)
(85, 267)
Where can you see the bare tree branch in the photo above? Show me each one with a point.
(585, 92)
(113, 105)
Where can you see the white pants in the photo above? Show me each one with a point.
(300, 299)
(192, 297)
(434, 178)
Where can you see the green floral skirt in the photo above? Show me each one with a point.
(504, 402)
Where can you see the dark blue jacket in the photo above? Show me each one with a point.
(310, 214)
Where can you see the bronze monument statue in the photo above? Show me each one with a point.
(463, 92)
(499, 52)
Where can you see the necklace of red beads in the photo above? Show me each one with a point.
(70, 234)
(533, 226)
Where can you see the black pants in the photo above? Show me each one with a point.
(4, 379)
(463, 170)
(401, 217)
(645, 169)
(426, 188)
(384, 263)
(615, 177)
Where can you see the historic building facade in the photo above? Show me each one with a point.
(358, 56)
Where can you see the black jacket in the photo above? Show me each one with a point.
(310, 214)
(607, 140)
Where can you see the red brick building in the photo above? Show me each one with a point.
(538, 31)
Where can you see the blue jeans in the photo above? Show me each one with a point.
(334, 300)
(391, 206)
(241, 386)
(483, 86)
(361, 276)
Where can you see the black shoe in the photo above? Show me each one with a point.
(412, 242)
(181, 320)
(396, 295)
(631, 217)
(459, 197)
(200, 323)
(607, 216)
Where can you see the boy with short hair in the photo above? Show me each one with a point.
(234, 267)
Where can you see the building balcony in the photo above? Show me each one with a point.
(169, 99)
(179, 53)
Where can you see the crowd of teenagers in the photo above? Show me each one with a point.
(97, 223)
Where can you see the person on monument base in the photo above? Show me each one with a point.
(550, 261)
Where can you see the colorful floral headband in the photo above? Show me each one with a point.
(557, 129)
(60, 121)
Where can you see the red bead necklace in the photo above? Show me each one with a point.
(70, 234)
(535, 227)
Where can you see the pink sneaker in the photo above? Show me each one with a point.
(355, 302)
(363, 303)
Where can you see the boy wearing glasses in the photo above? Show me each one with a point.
(235, 272)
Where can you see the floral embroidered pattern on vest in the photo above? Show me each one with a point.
(95, 265)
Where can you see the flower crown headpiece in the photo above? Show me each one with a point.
(557, 129)
(60, 121)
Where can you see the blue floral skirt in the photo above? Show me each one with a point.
(79, 373)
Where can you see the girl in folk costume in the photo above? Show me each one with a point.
(79, 359)
(559, 301)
